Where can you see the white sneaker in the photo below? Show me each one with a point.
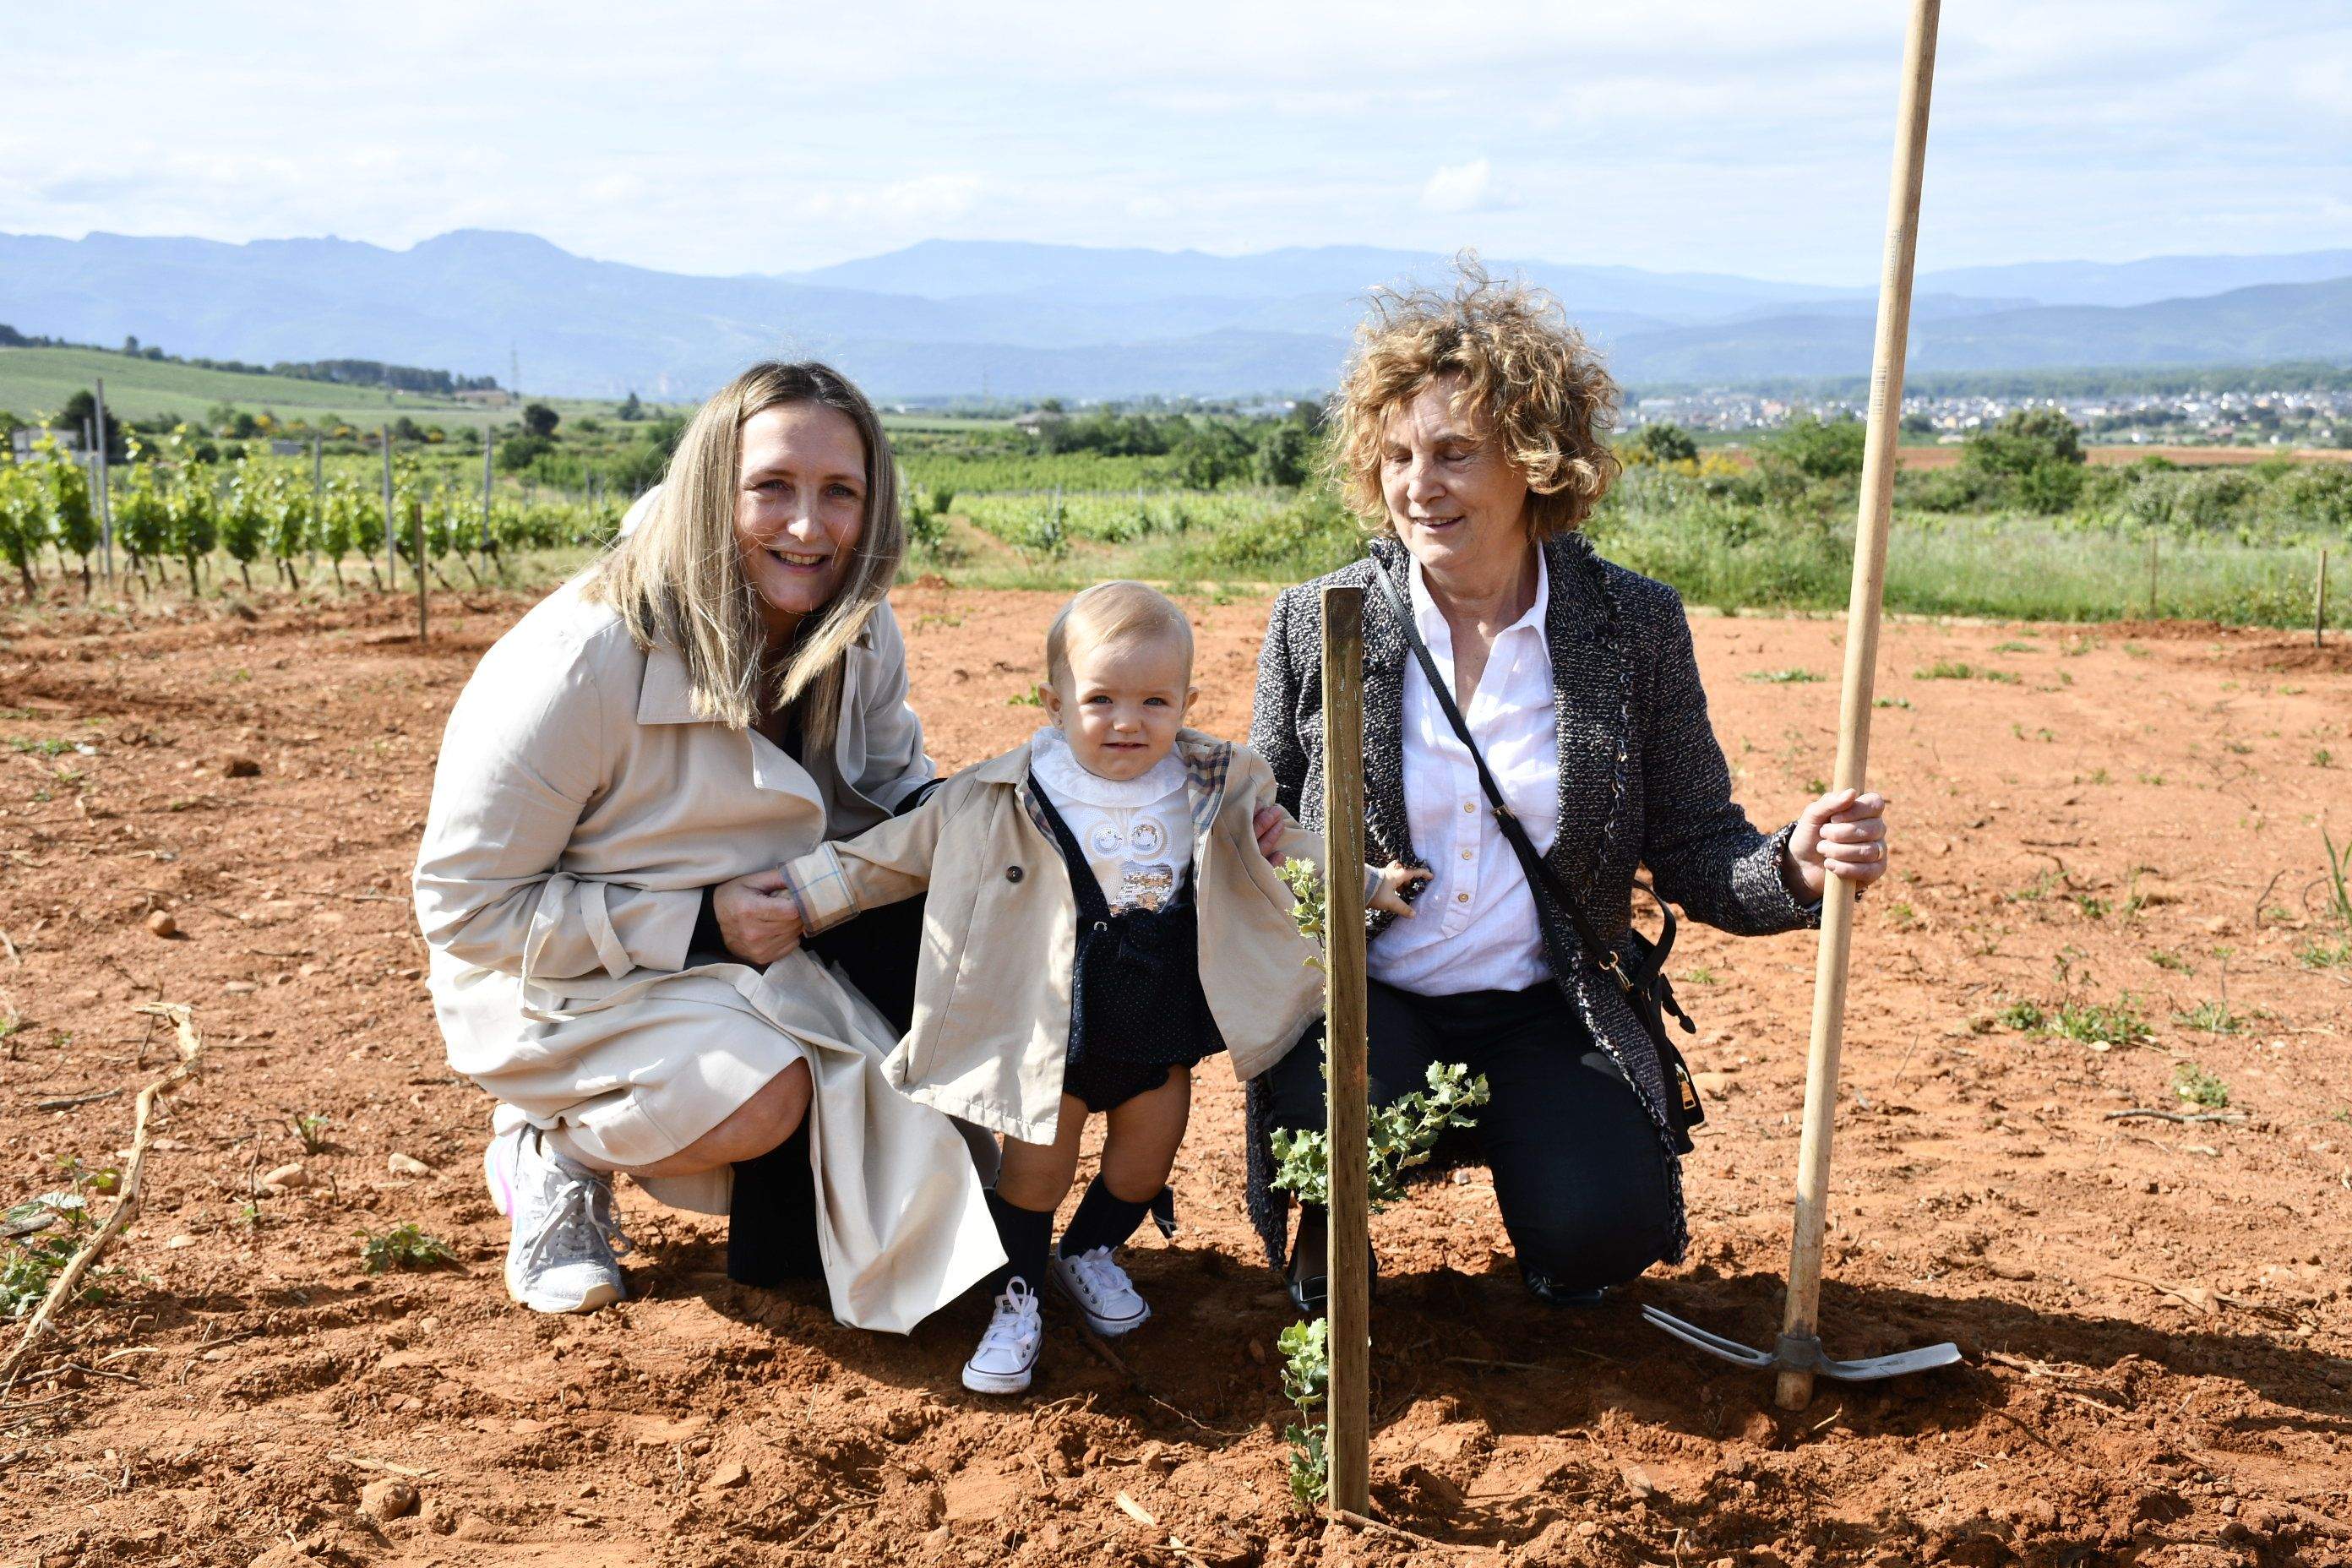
(1102, 1291)
(1008, 1351)
(560, 1256)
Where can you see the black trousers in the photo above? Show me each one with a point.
(771, 1219)
(1579, 1175)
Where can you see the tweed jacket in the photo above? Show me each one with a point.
(1642, 782)
(992, 1025)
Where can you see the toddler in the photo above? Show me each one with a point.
(1100, 917)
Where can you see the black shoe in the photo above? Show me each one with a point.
(1306, 1276)
(1541, 1288)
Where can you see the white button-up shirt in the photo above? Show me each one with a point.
(1474, 925)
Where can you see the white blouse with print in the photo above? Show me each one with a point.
(1137, 833)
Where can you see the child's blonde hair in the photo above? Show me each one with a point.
(1114, 612)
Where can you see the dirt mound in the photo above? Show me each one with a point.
(2160, 1347)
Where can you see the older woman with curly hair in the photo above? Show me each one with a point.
(1471, 438)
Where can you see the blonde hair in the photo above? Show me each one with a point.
(1522, 373)
(1114, 612)
(677, 581)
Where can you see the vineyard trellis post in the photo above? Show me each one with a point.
(1346, 1069)
(105, 488)
(318, 502)
(2319, 605)
(485, 551)
(420, 576)
(391, 526)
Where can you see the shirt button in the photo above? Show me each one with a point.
(1461, 898)
(1469, 805)
(1469, 854)
(1012, 873)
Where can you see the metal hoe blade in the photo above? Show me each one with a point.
(1796, 1352)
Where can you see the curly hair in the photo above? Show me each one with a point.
(1520, 372)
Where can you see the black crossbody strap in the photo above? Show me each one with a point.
(1531, 863)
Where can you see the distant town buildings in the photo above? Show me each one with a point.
(2198, 418)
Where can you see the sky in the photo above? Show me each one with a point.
(714, 138)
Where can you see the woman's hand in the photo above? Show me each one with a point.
(1395, 878)
(1842, 834)
(759, 919)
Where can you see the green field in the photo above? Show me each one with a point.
(34, 381)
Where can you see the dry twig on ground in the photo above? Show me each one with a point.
(63, 1289)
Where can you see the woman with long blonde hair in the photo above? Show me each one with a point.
(613, 957)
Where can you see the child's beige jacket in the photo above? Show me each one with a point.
(992, 985)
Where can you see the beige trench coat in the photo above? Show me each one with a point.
(579, 809)
(991, 1022)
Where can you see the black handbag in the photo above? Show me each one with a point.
(1640, 970)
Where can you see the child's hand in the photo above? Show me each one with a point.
(1395, 878)
(759, 919)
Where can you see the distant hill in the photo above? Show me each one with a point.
(956, 317)
(2273, 323)
(2138, 282)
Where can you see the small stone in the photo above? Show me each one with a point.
(309, 970)
(388, 1498)
(406, 1165)
(727, 1477)
(237, 766)
(177, 1242)
(288, 1175)
(160, 923)
(241, 988)
(1715, 1083)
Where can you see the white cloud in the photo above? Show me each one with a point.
(1459, 187)
(735, 138)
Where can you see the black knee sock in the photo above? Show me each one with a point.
(772, 1217)
(1024, 1235)
(1103, 1219)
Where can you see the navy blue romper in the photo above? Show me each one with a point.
(1137, 1008)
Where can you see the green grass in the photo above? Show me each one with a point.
(2003, 566)
(1960, 669)
(2194, 1085)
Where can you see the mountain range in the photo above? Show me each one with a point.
(948, 319)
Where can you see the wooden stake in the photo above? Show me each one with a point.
(2319, 606)
(1350, 1262)
(1801, 1320)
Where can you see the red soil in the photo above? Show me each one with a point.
(2158, 1344)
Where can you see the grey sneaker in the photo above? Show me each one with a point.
(1007, 1354)
(562, 1255)
(1102, 1291)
